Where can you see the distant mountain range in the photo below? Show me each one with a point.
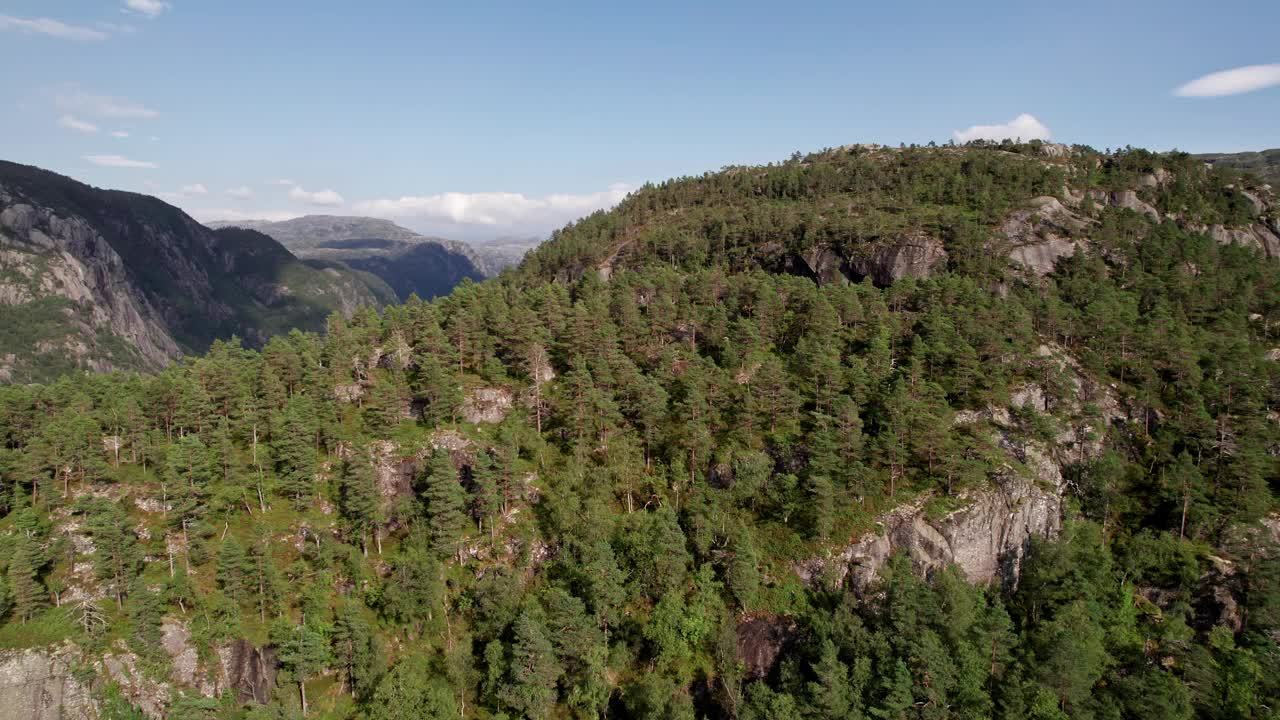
(103, 279)
(409, 262)
(1263, 163)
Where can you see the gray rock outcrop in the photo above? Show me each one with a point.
(987, 538)
(41, 685)
(1042, 233)
(917, 256)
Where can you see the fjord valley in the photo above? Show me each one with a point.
(103, 280)
(970, 431)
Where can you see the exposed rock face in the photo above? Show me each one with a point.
(826, 266)
(487, 405)
(917, 256)
(762, 641)
(175, 637)
(1258, 236)
(1127, 199)
(45, 256)
(39, 685)
(113, 280)
(1042, 234)
(122, 667)
(986, 539)
(250, 671)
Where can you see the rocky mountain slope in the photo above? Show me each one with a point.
(886, 214)
(101, 279)
(1265, 164)
(979, 431)
(406, 260)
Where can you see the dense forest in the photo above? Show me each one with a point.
(584, 488)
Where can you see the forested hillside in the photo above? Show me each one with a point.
(871, 433)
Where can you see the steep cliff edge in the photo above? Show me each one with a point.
(99, 279)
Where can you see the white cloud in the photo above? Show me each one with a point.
(497, 209)
(74, 99)
(72, 122)
(1232, 82)
(150, 8)
(118, 161)
(1024, 127)
(233, 215)
(196, 189)
(326, 198)
(50, 27)
(120, 134)
(117, 28)
(283, 182)
(241, 193)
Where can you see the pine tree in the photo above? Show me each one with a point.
(384, 404)
(145, 610)
(438, 387)
(261, 578)
(357, 652)
(293, 444)
(531, 685)
(117, 558)
(233, 569)
(445, 505)
(25, 567)
(303, 653)
(411, 691)
(359, 500)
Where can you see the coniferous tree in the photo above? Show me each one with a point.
(293, 444)
(445, 504)
(25, 567)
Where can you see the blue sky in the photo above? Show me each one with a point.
(483, 119)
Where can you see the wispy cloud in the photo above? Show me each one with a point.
(234, 215)
(74, 99)
(72, 122)
(1232, 82)
(497, 209)
(283, 182)
(118, 161)
(323, 198)
(50, 27)
(150, 8)
(116, 28)
(241, 193)
(1024, 127)
(120, 134)
(187, 192)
